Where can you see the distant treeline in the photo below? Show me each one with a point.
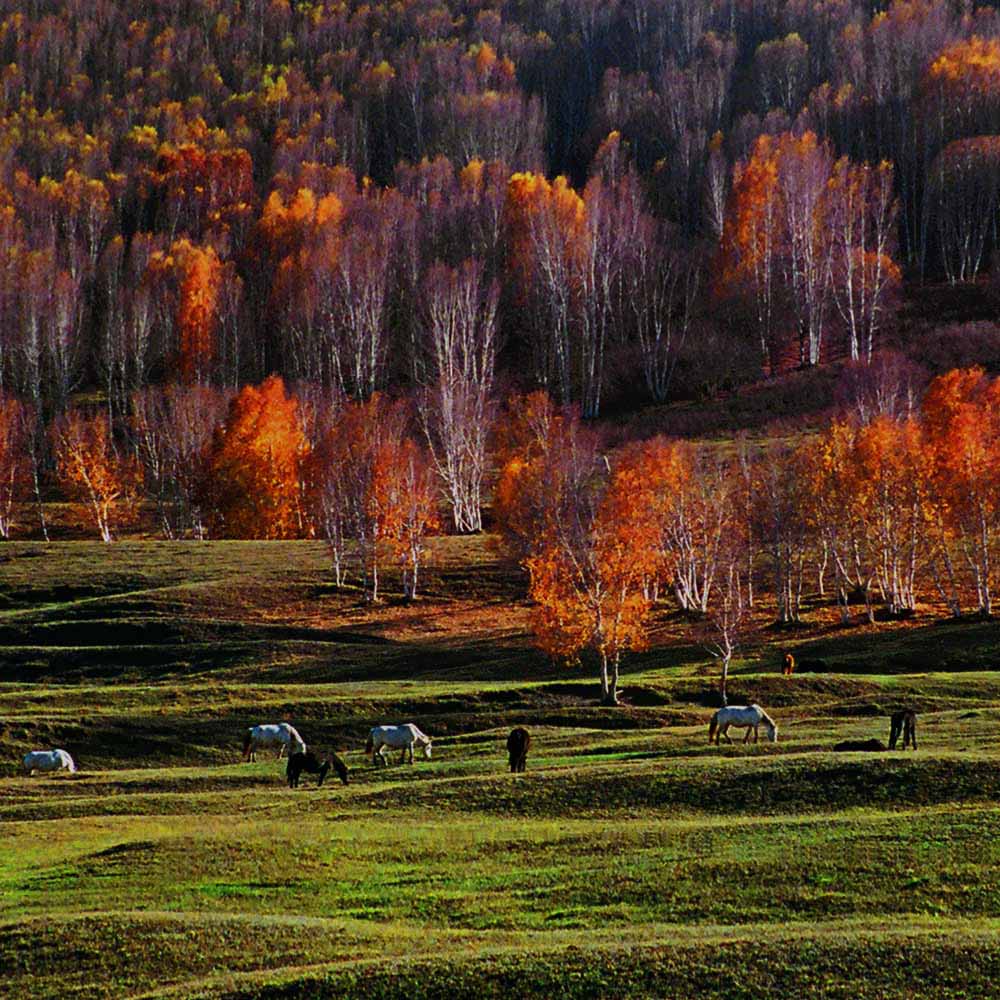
(626, 199)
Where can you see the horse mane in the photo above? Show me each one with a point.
(766, 718)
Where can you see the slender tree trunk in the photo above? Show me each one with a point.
(609, 680)
(612, 695)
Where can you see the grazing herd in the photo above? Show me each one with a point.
(407, 736)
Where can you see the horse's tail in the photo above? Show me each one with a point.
(370, 745)
(247, 740)
(713, 727)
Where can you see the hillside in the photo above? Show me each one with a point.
(631, 859)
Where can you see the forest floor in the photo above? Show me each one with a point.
(631, 860)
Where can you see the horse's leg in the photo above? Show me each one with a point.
(724, 731)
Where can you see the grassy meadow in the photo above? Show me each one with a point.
(631, 860)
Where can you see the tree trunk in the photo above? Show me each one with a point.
(609, 687)
(612, 693)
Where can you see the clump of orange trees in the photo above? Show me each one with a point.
(587, 549)
(895, 503)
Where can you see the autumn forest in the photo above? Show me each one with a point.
(367, 272)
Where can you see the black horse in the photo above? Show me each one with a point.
(517, 748)
(904, 722)
(308, 761)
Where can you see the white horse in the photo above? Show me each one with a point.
(748, 716)
(279, 734)
(397, 738)
(48, 760)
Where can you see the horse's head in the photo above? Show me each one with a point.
(340, 767)
(427, 749)
(772, 732)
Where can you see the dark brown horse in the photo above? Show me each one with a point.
(517, 748)
(789, 667)
(308, 761)
(904, 722)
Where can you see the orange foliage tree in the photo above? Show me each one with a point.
(689, 498)
(197, 309)
(254, 468)
(961, 89)
(891, 481)
(91, 470)
(962, 426)
(588, 547)
(833, 514)
(802, 229)
(370, 483)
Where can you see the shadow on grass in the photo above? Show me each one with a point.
(938, 646)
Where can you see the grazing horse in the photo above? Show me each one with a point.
(48, 760)
(279, 734)
(869, 746)
(299, 762)
(741, 716)
(904, 722)
(397, 738)
(517, 748)
(789, 667)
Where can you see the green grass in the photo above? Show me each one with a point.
(632, 860)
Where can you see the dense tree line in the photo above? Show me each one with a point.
(633, 193)
(895, 500)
